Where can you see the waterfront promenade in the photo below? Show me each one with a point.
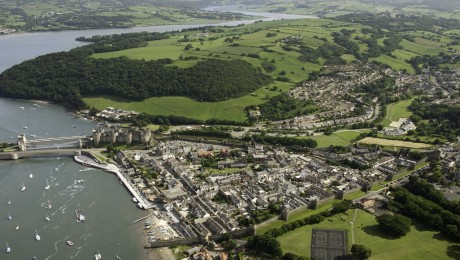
(87, 161)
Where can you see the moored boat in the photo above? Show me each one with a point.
(70, 243)
(47, 185)
(23, 187)
(8, 248)
(37, 236)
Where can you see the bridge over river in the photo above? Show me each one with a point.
(78, 141)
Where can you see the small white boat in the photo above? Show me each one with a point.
(9, 202)
(139, 205)
(97, 256)
(56, 169)
(24, 127)
(31, 176)
(49, 205)
(47, 185)
(119, 258)
(17, 227)
(47, 218)
(23, 187)
(70, 243)
(37, 236)
(80, 181)
(21, 107)
(80, 217)
(8, 248)
(9, 216)
(135, 200)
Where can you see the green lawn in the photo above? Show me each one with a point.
(419, 243)
(397, 110)
(394, 63)
(339, 138)
(232, 109)
(307, 212)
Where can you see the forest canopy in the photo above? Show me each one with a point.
(65, 77)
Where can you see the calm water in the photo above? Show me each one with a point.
(105, 203)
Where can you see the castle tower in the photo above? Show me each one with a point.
(128, 138)
(96, 138)
(113, 137)
(22, 142)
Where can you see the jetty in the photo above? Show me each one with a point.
(137, 220)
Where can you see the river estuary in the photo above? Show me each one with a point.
(105, 203)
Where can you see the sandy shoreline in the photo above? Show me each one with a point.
(163, 253)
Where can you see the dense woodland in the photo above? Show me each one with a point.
(283, 107)
(66, 76)
(425, 211)
(436, 119)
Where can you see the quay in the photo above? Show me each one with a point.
(87, 161)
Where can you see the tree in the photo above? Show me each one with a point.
(265, 243)
(394, 225)
(361, 251)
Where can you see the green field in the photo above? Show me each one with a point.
(393, 143)
(394, 63)
(262, 228)
(397, 110)
(232, 109)
(419, 243)
(339, 138)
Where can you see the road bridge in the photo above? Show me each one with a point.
(64, 142)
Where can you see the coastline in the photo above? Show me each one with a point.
(164, 253)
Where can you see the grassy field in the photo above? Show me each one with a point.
(339, 138)
(396, 64)
(307, 212)
(232, 109)
(419, 243)
(398, 110)
(394, 143)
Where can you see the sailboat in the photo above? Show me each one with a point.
(37, 236)
(9, 216)
(47, 185)
(23, 187)
(8, 248)
(47, 218)
(17, 227)
(31, 175)
(97, 256)
(49, 205)
(9, 202)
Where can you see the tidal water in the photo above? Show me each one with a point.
(105, 203)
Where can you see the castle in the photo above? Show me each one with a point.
(113, 133)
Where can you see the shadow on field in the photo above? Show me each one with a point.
(375, 231)
(454, 251)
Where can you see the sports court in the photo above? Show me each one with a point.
(328, 244)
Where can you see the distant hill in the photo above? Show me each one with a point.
(65, 77)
